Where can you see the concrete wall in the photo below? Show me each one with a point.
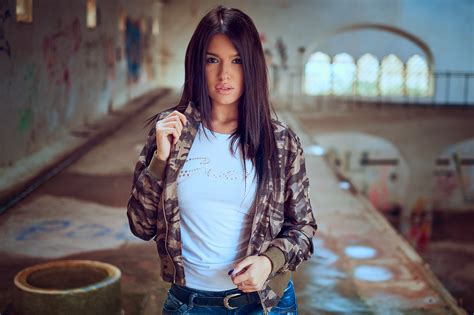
(454, 188)
(440, 30)
(383, 185)
(57, 75)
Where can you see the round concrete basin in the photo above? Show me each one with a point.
(68, 287)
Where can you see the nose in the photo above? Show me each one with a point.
(224, 72)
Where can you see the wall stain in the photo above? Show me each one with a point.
(58, 48)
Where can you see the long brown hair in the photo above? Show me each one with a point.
(255, 130)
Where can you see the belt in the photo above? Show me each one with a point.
(231, 301)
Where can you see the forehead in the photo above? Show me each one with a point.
(221, 45)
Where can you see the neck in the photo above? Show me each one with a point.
(223, 114)
(224, 118)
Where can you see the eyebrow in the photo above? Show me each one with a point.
(216, 55)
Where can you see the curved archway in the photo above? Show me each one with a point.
(374, 164)
(373, 26)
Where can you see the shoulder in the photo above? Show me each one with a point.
(165, 113)
(285, 136)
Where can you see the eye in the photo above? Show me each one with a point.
(211, 60)
(237, 61)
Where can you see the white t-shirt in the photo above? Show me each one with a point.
(215, 211)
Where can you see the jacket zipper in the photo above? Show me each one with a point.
(263, 305)
(265, 311)
(166, 238)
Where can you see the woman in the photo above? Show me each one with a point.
(244, 220)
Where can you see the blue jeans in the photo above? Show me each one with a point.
(287, 304)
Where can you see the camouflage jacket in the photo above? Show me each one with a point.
(283, 225)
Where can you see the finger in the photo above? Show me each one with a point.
(169, 119)
(170, 131)
(242, 277)
(181, 116)
(244, 263)
(247, 289)
(173, 124)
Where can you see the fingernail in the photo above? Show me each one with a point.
(230, 272)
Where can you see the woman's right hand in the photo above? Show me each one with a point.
(168, 131)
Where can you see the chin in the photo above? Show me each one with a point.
(224, 100)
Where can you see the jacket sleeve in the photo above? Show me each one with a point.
(146, 190)
(294, 242)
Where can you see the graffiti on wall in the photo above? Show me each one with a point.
(4, 44)
(133, 49)
(58, 48)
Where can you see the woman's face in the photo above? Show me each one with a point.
(224, 73)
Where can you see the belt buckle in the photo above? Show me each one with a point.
(226, 301)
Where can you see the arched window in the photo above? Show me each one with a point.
(391, 76)
(417, 79)
(318, 74)
(343, 74)
(367, 75)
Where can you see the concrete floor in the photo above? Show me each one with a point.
(360, 266)
(450, 251)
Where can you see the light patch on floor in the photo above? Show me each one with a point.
(360, 252)
(372, 273)
(315, 150)
(63, 226)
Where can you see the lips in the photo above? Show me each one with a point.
(223, 88)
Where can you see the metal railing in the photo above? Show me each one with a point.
(449, 88)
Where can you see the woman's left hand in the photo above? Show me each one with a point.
(251, 273)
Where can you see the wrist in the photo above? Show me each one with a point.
(160, 157)
(268, 264)
(157, 166)
(276, 257)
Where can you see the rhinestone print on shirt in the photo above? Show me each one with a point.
(230, 175)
